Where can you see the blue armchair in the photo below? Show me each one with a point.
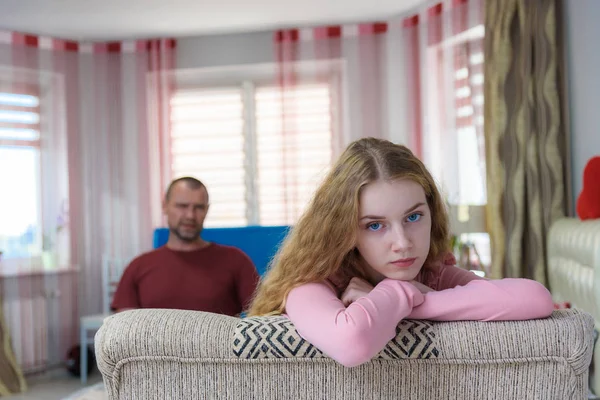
(260, 243)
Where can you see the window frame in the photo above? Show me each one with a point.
(38, 84)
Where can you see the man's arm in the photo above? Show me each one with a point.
(126, 296)
(246, 282)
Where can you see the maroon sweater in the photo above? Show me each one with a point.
(219, 279)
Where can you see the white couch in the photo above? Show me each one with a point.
(574, 272)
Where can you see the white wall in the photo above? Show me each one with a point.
(582, 43)
(225, 50)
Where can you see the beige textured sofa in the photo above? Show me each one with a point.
(171, 354)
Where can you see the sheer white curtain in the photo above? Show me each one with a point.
(415, 79)
(38, 284)
(118, 155)
(364, 69)
(365, 66)
(81, 141)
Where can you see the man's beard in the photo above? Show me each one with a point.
(187, 238)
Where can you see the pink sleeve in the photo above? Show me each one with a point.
(451, 276)
(350, 335)
(464, 296)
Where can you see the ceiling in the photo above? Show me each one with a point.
(136, 19)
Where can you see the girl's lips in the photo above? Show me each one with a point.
(404, 263)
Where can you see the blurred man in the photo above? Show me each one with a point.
(188, 273)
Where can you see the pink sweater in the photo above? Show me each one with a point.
(353, 335)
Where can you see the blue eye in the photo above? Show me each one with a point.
(414, 217)
(375, 226)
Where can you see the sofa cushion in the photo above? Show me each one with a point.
(276, 337)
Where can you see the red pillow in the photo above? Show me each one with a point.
(588, 203)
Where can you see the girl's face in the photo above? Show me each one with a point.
(394, 229)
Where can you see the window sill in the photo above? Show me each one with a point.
(29, 267)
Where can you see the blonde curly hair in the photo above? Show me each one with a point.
(322, 245)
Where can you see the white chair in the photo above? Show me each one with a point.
(111, 274)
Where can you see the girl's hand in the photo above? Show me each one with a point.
(422, 288)
(356, 289)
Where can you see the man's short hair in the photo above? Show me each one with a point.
(191, 183)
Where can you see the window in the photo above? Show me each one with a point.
(20, 226)
(468, 87)
(260, 165)
(468, 84)
(458, 159)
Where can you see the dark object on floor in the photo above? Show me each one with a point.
(74, 359)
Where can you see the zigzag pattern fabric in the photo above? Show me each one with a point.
(414, 339)
(276, 337)
(271, 337)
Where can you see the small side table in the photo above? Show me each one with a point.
(87, 323)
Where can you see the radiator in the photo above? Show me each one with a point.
(40, 311)
(27, 321)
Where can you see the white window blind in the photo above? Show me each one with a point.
(260, 164)
(294, 150)
(207, 142)
(19, 118)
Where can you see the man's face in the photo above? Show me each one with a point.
(185, 210)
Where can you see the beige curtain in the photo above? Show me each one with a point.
(11, 377)
(525, 131)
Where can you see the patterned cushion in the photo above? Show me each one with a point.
(276, 337)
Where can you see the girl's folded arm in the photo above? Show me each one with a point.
(487, 300)
(350, 335)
